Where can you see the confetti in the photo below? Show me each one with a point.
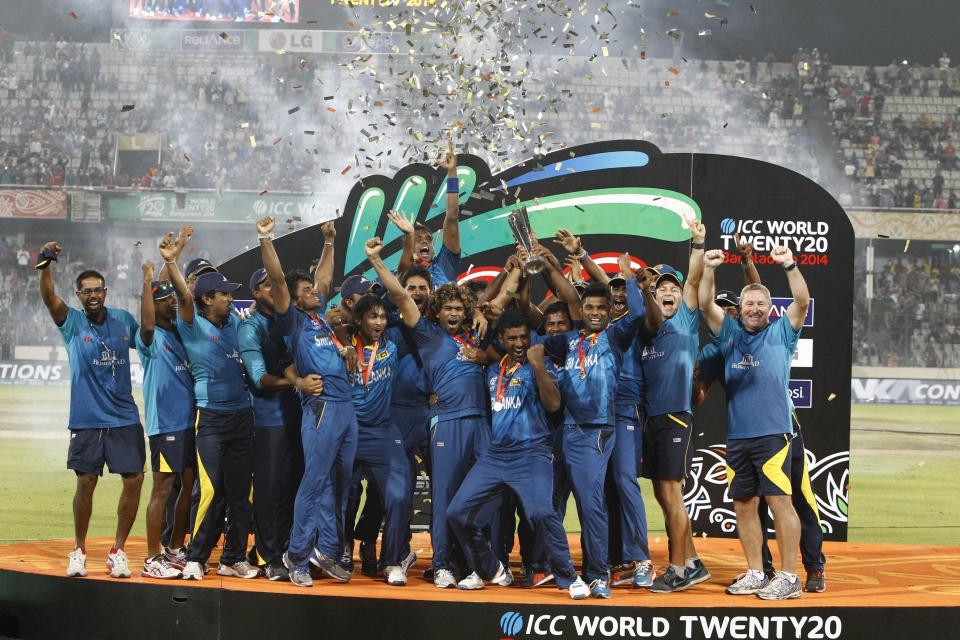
(906, 246)
(831, 397)
(293, 110)
(674, 70)
(224, 35)
(73, 15)
(704, 32)
(127, 107)
(186, 157)
(264, 192)
(253, 141)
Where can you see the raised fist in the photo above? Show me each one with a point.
(781, 255)
(373, 247)
(265, 225)
(698, 230)
(713, 258)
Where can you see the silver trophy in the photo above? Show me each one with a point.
(519, 223)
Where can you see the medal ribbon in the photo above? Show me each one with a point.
(581, 354)
(466, 340)
(501, 387)
(366, 368)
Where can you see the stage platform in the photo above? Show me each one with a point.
(874, 591)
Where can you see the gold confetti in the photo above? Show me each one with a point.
(253, 142)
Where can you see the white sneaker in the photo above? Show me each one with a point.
(444, 579)
(158, 567)
(407, 562)
(396, 576)
(193, 571)
(118, 564)
(176, 558)
(471, 583)
(578, 589)
(242, 569)
(76, 564)
(504, 576)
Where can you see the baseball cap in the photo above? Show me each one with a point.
(356, 284)
(666, 271)
(257, 278)
(727, 298)
(198, 266)
(214, 281)
(161, 289)
(617, 281)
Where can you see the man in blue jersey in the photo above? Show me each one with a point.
(224, 419)
(710, 363)
(104, 422)
(443, 337)
(522, 390)
(757, 357)
(169, 408)
(418, 246)
(592, 358)
(328, 427)
(667, 357)
(278, 460)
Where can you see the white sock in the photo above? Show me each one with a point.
(792, 577)
(756, 574)
(691, 562)
(680, 571)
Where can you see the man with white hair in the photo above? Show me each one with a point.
(757, 357)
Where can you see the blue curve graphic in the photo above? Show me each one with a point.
(595, 162)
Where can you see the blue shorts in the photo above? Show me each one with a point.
(121, 448)
(759, 466)
(173, 452)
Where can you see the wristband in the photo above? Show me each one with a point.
(790, 267)
(45, 258)
(265, 236)
(697, 245)
(328, 244)
(453, 185)
(169, 262)
(583, 254)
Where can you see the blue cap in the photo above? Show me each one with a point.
(356, 284)
(666, 271)
(198, 266)
(161, 289)
(257, 278)
(727, 298)
(213, 281)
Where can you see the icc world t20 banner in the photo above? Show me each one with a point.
(626, 195)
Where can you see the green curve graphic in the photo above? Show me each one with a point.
(653, 213)
(365, 218)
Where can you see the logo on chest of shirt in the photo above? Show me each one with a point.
(108, 358)
(322, 341)
(512, 402)
(375, 376)
(87, 339)
(573, 362)
(214, 338)
(650, 353)
(746, 363)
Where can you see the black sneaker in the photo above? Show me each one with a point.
(329, 566)
(816, 583)
(276, 571)
(670, 582)
(428, 574)
(346, 558)
(698, 573)
(368, 559)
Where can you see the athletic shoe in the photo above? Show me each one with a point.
(368, 560)
(329, 566)
(158, 567)
(769, 573)
(780, 588)
(428, 574)
(622, 574)
(396, 576)
(346, 558)
(644, 574)
(176, 558)
(76, 564)
(301, 577)
(242, 569)
(670, 582)
(118, 563)
(698, 573)
(532, 579)
(748, 585)
(816, 583)
(193, 571)
(578, 589)
(600, 588)
(504, 576)
(444, 579)
(408, 562)
(471, 583)
(276, 571)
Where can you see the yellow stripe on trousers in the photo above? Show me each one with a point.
(206, 487)
(773, 469)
